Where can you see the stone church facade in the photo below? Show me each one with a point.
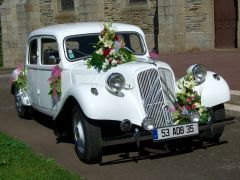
(170, 25)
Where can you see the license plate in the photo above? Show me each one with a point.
(175, 131)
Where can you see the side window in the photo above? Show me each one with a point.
(49, 51)
(33, 52)
(133, 43)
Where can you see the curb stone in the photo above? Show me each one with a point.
(6, 71)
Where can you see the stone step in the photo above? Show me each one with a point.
(232, 110)
(235, 97)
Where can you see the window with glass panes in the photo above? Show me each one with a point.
(67, 5)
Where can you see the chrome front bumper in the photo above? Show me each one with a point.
(137, 137)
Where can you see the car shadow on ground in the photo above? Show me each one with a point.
(42, 119)
(130, 152)
(48, 122)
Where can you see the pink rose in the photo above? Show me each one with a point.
(189, 100)
(194, 106)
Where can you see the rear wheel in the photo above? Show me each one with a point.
(87, 137)
(218, 113)
(23, 111)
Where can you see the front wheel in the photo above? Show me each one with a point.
(87, 137)
(23, 111)
(218, 113)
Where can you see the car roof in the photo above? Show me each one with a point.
(63, 30)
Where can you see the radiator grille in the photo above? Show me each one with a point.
(168, 85)
(151, 90)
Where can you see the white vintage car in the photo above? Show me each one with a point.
(130, 102)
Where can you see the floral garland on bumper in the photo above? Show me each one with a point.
(110, 51)
(188, 102)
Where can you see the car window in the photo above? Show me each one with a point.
(134, 42)
(49, 51)
(81, 46)
(33, 52)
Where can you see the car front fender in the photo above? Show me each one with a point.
(102, 105)
(214, 90)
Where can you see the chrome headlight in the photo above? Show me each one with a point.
(148, 124)
(115, 82)
(199, 73)
(194, 116)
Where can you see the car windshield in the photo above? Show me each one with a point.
(81, 46)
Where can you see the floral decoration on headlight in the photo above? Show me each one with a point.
(110, 50)
(188, 101)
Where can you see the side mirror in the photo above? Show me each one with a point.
(154, 54)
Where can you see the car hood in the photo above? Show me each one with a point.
(83, 75)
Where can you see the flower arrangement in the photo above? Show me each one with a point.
(110, 51)
(20, 78)
(55, 82)
(188, 101)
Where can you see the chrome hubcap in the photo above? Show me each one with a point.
(18, 101)
(79, 133)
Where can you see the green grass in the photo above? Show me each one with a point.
(17, 161)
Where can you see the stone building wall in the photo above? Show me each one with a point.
(185, 25)
(17, 20)
(89, 10)
(142, 15)
(50, 13)
(238, 25)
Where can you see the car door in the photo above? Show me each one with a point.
(32, 70)
(49, 58)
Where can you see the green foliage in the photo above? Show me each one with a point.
(21, 81)
(17, 161)
(96, 61)
(127, 55)
(55, 84)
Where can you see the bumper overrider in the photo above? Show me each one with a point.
(138, 136)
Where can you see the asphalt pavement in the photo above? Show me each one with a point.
(224, 62)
